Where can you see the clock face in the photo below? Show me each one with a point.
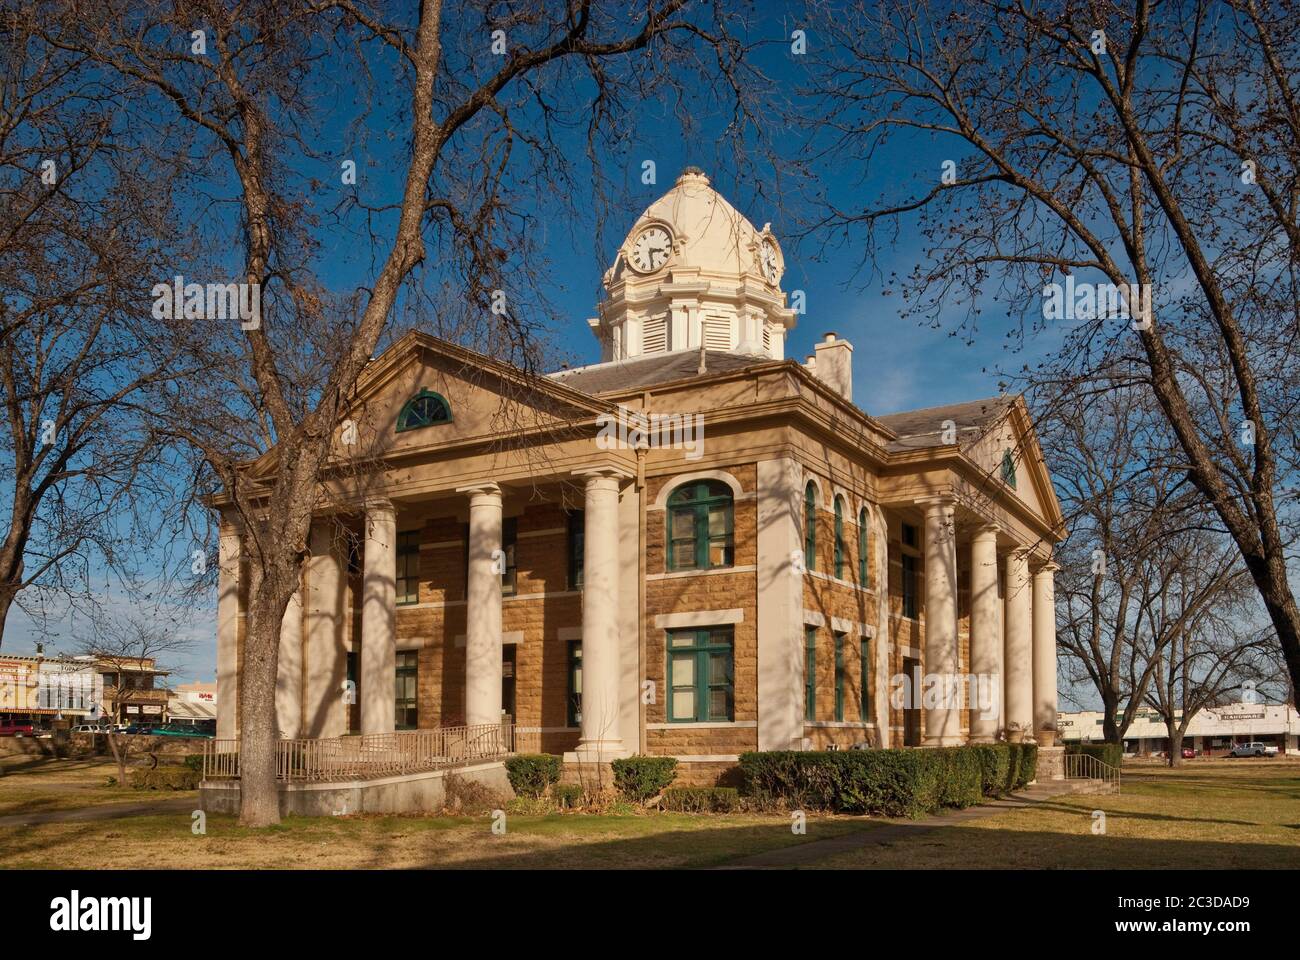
(770, 264)
(650, 250)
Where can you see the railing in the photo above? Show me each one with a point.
(1084, 766)
(367, 757)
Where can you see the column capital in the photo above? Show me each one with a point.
(602, 472)
(1020, 552)
(936, 500)
(375, 505)
(986, 531)
(485, 489)
(1047, 569)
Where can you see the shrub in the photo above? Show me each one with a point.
(194, 762)
(1112, 753)
(168, 777)
(702, 799)
(531, 773)
(638, 778)
(465, 796)
(567, 795)
(895, 782)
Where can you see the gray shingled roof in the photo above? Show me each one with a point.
(647, 371)
(921, 428)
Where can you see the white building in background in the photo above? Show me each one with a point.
(37, 689)
(1212, 732)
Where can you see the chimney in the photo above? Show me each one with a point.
(834, 365)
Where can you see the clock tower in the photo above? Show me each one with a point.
(694, 272)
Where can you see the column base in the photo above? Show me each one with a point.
(598, 751)
(943, 741)
(983, 740)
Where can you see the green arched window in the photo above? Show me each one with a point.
(700, 526)
(839, 538)
(810, 526)
(1008, 468)
(424, 409)
(862, 547)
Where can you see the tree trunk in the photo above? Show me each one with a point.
(1175, 744)
(7, 595)
(1109, 725)
(119, 754)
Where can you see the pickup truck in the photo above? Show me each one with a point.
(1253, 749)
(15, 729)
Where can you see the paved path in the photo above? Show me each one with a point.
(890, 831)
(103, 811)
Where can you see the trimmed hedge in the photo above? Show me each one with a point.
(702, 799)
(895, 783)
(1112, 753)
(531, 773)
(567, 796)
(638, 778)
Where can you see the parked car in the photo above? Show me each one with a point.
(1189, 753)
(15, 729)
(89, 728)
(1253, 749)
(134, 728)
(178, 730)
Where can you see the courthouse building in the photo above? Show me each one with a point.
(695, 547)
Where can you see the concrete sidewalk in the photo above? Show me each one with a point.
(891, 831)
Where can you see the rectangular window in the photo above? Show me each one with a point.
(909, 586)
(509, 539)
(864, 679)
(839, 676)
(350, 698)
(700, 682)
(575, 683)
(406, 690)
(408, 567)
(810, 673)
(909, 535)
(577, 534)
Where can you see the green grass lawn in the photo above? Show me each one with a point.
(1219, 814)
(1216, 814)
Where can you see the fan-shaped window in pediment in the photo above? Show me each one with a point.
(425, 409)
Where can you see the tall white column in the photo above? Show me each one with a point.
(288, 677)
(326, 713)
(601, 739)
(780, 606)
(1045, 654)
(483, 611)
(1019, 649)
(229, 556)
(943, 714)
(985, 637)
(378, 618)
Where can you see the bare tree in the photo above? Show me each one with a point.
(475, 94)
(122, 645)
(78, 235)
(1150, 148)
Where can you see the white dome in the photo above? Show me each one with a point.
(693, 271)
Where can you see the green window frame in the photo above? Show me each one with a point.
(810, 673)
(909, 586)
(701, 681)
(839, 538)
(701, 526)
(408, 567)
(574, 716)
(862, 548)
(1008, 468)
(839, 677)
(406, 690)
(577, 544)
(425, 409)
(810, 526)
(864, 679)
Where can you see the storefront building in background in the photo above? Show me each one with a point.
(1211, 733)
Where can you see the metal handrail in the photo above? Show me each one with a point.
(367, 757)
(1084, 766)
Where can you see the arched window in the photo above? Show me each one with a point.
(423, 410)
(839, 538)
(1008, 468)
(700, 526)
(862, 547)
(810, 526)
